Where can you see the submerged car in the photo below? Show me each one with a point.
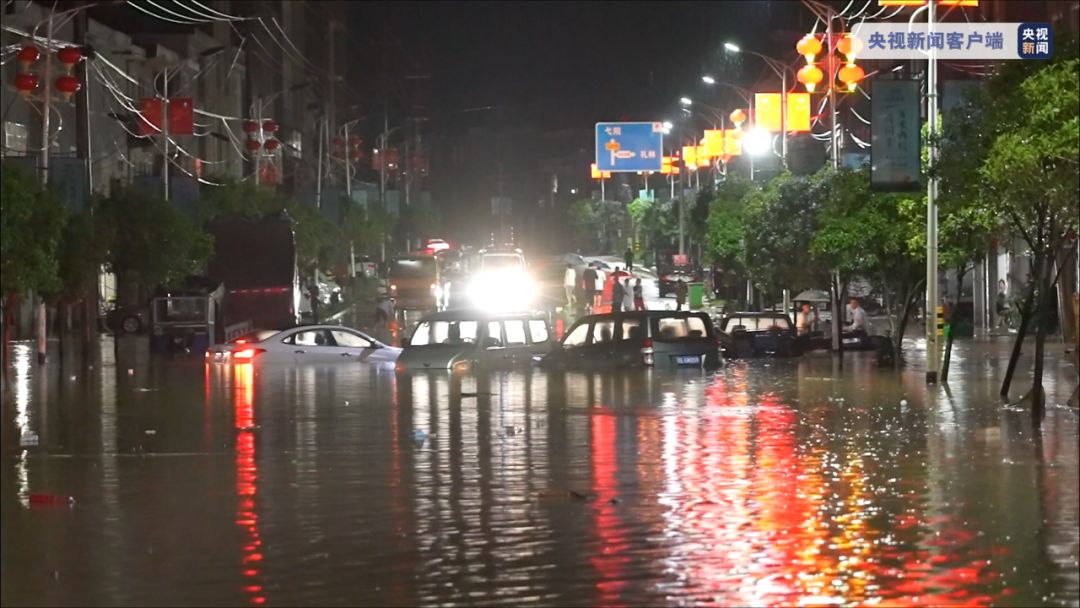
(759, 334)
(304, 344)
(671, 276)
(637, 339)
(464, 339)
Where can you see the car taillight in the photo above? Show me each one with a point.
(647, 352)
(247, 354)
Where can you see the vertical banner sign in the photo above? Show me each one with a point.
(767, 112)
(181, 116)
(894, 135)
(798, 112)
(714, 143)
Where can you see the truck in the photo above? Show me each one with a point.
(255, 260)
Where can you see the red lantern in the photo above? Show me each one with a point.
(810, 75)
(253, 145)
(808, 46)
(850, 75)
(355, 142)
(357, 154)
(270, 126)
(26, 83)
(68, 86)
(271, 145)
(849, 46)
(69, 56)
(250, 126)
(27, 55)
(738, 117)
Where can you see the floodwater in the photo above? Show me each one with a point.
(766, 483)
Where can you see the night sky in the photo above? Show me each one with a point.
(553, 66)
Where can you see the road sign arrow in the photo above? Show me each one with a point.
(624, 154)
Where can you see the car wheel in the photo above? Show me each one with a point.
(131, 325)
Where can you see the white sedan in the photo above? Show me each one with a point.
(304, 344)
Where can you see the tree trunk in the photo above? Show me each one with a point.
(42, 331)
(1038, 397)
(1021, 333)
(909, 304)
(951, 323)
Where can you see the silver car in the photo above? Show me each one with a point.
(463, 339)
(304, 344)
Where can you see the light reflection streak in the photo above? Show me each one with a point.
(21, 356)
(247, 475)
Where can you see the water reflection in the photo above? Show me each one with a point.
(771, 483)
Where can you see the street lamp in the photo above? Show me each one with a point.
(708, 79)
(781, 69)
(757, 141)
(667, 127)
(685, 101)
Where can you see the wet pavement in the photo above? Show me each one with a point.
(771, 482)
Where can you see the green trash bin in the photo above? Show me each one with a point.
(697, 293)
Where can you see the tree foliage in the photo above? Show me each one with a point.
(148, 240)
(31, 221)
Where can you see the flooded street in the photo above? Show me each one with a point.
(768, 482)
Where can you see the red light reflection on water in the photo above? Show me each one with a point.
(247, 475)
(756, 518)
(613, 555)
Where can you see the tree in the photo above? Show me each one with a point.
(1031, 175)
(724, 233)
(149, 241)
(581, 219)
(867, 233)
(780, 221)
(31, 220)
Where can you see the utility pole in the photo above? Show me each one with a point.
(165, 133)
(932, 353)
(258, 153)
(46, 144)
(834, 150)
(83, 149)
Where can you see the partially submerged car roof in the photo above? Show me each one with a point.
(470, 314)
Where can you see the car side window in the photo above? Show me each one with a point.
(603, 332)
(538, 331)
(515, 332)
(631, 329)
(577, 336)
(314, 337)
(349, 339)
(494, 334)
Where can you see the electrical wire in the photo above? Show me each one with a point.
(132, 4)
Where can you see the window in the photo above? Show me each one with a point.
(538, 331)
(444, 332)
(603, 332)
(501, 262)
(577, 336)
(494, 334)
(674, 328)
(515, 332)
(349, 339)
(412, 268)
(632, 330)
(315, 337)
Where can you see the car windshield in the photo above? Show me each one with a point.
(412, 268)
(255, 336)
(501, 261)
(756, 323)
(444, 332)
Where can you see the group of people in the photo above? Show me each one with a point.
(585, 293)
(806, 321)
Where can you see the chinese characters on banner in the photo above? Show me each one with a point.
(955, 40)
(894, 135)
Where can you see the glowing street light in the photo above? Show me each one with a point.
(667, 127)
(734, 48)
(708, 79)
(685, 101)
(757, 142)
